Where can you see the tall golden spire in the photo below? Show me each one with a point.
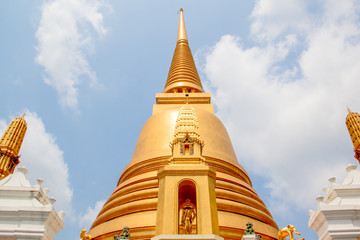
(183, 76)
(182, 31)
(353, 126)
(10, 144)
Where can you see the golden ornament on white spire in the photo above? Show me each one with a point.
(10, 145)
(353, 126)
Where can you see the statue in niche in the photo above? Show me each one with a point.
(187, 215)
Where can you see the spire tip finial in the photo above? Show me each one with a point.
(348, 109)
(182, 31)
(23, 114)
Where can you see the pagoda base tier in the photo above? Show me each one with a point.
(187, 236)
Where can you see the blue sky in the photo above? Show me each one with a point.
(281, 75)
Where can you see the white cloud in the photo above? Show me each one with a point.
(273, 18)
(65, 35)
(86, 219)
(44, 159)
(287, 118)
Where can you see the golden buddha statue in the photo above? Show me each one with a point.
(187, 216)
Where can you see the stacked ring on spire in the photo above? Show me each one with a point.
(183, 74)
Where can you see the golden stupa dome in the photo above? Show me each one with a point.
(158, 131)
(134, 201)
(164, 171)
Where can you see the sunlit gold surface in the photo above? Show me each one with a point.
(183, 75)
(138, 187)
(84, 236)
(10, 145)
(158, 132)
(167, 212)
(186, 146)
(187, 216)
(146, 197)
(178, 98)
(289, 230)
(182, 31)
(353, 126)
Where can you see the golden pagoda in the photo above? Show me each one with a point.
(10, 144)
(184, 177)
(353, 126)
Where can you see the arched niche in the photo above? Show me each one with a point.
(187, 191)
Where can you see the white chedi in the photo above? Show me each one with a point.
(26, 212)
(338, 212)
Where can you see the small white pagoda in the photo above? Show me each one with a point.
(338, 213)
(26, 212)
